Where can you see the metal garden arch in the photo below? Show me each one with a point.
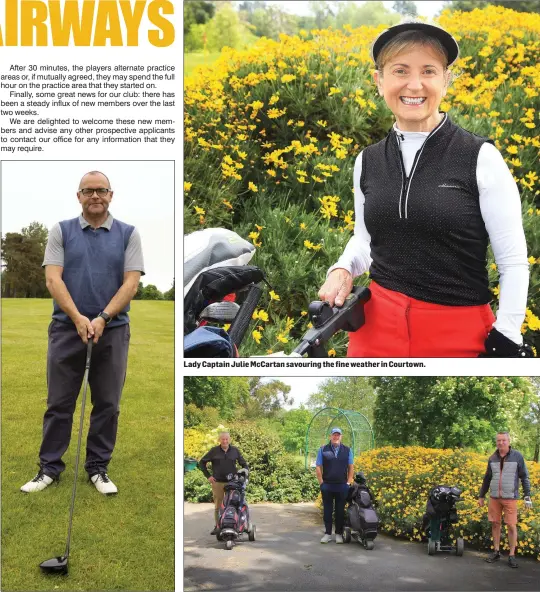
(357, 431)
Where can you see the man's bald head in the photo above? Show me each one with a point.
(93, 173)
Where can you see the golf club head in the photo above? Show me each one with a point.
(220, 312)
(56, 565)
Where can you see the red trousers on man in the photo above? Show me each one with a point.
(398, 326)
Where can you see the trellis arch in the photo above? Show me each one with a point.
(357, 431)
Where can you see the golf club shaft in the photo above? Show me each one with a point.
(83, 402)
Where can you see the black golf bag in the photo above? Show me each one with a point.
(233, 516)
(441, 514)
(219, 287)
(361, 520)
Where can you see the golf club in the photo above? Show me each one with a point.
(59, 565)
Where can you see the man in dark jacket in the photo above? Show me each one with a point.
(334, 472)
(506, 467)
(223, 458)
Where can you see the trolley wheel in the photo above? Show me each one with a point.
(346, 534)
(249, 526)
(460, 546)
(252, 532)
(431, 547)
(369, 545)
(229, 545)
(219, 537)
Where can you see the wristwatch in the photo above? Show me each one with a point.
(107, 318)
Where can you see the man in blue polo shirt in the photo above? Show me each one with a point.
(334, 472)
(93, 264)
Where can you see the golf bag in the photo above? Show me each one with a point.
(361, 520)
(441, 514)
(441, 505)
(361, 515)
(233, 516)
(216, 279)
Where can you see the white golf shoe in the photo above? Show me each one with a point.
(103, 484)
(38, 483)
(326, 538)
(339, 539)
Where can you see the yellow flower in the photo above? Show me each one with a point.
(282, 338)
(288, 78)
(187, 186)
(273, 99)
(257, 336)
(199, 211)
(253, 235)
(263, 316)
(493, 266)
(512, 149)
(275, 113)
(331, 352)
(496, 291)
(274, 296)
(302, 226)
(255, 315)
(226, 327)
(531, 260)
(252, 187)
(334, 91)
(303, 313)
(322, 123)
(532, 176)
(271, 172)
(269, 351)
(228, 204)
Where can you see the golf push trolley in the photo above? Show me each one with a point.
(234, 520)
(441, 514)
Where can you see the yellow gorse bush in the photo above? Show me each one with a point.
(271, 134)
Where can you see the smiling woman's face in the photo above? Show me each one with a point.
(413, 84)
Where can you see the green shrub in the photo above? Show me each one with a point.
(196, 487)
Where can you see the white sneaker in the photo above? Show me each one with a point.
(103, 484)
(326, 538)
(38, 483)
(339, 539)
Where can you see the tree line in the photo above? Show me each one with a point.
(211, 26)
(435, 412)
(23, 277)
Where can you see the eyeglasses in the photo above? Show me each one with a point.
(88, 192)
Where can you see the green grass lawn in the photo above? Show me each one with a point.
(118, 543)
(192, 60)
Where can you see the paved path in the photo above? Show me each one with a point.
(287, 556)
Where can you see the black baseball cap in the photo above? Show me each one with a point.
(448, 42)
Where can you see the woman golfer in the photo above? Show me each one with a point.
(428, 199)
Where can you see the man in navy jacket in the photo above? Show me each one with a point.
(334, 472)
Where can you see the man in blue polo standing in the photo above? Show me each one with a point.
(335, 469)
(93, 264)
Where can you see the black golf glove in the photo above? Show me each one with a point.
(499, 346)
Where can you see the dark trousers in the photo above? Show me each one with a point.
(334, 495)
(65, 371)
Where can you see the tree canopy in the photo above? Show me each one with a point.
(23, 253)
(446, 412)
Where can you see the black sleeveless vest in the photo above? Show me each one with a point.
(428, 238)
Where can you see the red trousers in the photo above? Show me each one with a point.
(398, 326)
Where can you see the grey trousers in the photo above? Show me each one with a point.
(65, 371)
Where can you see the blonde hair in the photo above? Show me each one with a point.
(407, 40)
